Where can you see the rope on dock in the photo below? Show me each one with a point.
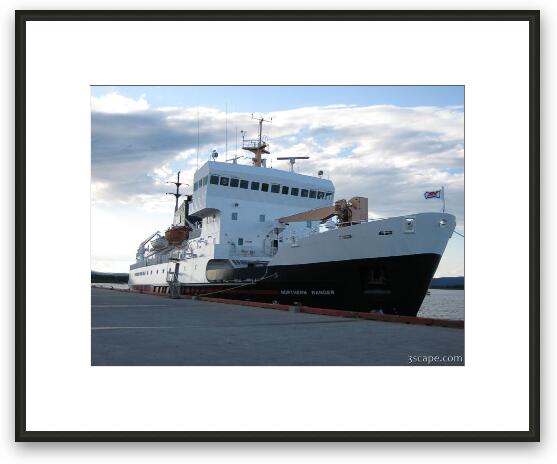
(239, 286)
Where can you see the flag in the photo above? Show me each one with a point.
(435, 194)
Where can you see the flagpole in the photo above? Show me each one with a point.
(443, 195)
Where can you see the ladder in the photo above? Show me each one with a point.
(173, 282)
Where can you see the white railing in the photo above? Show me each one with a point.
(249, 252)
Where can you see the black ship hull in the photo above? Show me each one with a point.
(394, 285)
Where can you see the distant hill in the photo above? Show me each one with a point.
(452, 283)
(109, 277)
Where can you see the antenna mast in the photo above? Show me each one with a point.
(226, 133)
(197, 160)
(257, 146)
(177, 194)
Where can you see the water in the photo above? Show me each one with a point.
(110, 285)
(439, 304)
(443, 304)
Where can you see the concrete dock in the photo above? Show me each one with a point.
(130, 329)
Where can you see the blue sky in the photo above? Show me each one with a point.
(389, 143)
(275, 98)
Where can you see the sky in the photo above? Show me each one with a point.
(387, 143)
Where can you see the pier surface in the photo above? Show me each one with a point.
(131, 329)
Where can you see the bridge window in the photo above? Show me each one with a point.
(215, 180)
(224, 181)
(284, 190)
(205, 181)
(234, 216)
(329, 196)
(312, 193)
(255, 185)
(294, 191)
(195, 186)
(304, 193)
(244, 184)
(320, 195)
(264, 187)
(275, 188)
(240, 241)
(234, 182)
(261, 218)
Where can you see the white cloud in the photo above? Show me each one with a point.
(389, 154)
(118, 104)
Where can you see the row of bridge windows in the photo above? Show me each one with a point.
(262, 186)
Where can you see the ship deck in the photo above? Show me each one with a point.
(148, 330)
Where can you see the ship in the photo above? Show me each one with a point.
(258, 233)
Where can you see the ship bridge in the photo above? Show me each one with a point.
(220, 186)
(240, 205)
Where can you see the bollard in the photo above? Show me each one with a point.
(295, 308)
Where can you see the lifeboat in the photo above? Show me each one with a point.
(159, 243)
(177, 234)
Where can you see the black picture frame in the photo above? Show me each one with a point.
(532, 17)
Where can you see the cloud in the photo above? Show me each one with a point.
(134, 153)
(116, 103)
(388, 153)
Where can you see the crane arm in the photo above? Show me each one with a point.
(144, 242)
(319, 214)
(354, 210)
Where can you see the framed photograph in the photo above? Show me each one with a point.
(249, 226)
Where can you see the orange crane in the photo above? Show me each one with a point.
(348, 212)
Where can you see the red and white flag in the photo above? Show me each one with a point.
(435, 194)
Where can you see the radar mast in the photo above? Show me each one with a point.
(177, 194)
(256, 146)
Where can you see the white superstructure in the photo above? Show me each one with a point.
(236, 208)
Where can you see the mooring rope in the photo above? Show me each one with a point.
(240, 286)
